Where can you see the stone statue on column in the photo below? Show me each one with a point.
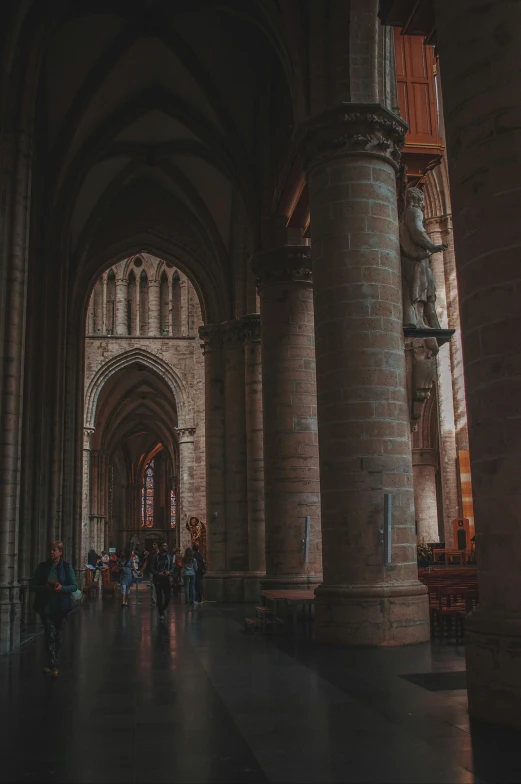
(416, 247)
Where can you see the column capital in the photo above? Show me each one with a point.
(210, 335)
(87, 435)
(251, 327)
(285, 264)
(351, 129)
(231, 333)
(185, 434)
(154, 283)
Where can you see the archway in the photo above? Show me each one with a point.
(143, 409)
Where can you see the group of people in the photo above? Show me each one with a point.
(166, 572)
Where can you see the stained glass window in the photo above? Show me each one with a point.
(172, 509)
(147, 497)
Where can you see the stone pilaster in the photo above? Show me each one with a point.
(483, 131)
(351, 152)
(121, 306)
(16, 175)
(210, 336)
(235, 459)
(254, 443)
(291, 470)
(154, 307)
(186, 436)
(424, 465)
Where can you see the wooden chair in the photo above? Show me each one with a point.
(108, 586)
(91, 587)
(451, 609)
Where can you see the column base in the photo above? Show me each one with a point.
(493, 651)
(10, 619)
(381, 614)
(285, 582)
(232, 586)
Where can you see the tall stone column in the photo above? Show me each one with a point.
(87, 537)
(235, 460)
(186, 437)
(254, 443)
(121, 306)
(481, 88)
(154, 307)
(351, 153)
(210, 335)
(291, 470)
(425, 498)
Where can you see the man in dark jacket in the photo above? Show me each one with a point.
(54, 582)
(161, 568)
(201, 569)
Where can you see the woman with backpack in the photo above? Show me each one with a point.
(54, 583)
(189, 570)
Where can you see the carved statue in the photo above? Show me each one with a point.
(197, 533)
(419, 290)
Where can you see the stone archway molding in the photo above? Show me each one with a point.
(181, 395)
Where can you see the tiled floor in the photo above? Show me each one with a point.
(194, 699)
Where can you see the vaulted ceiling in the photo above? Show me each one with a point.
(136, 410)
(162, 126)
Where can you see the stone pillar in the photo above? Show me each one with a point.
(291, 470)
(15, 194)
(210, 335)
(481, 88)
(425, 498)
(186, 482)
(104, 306)
(121, 306)
(351, 153)
(89, 497)
(154, 307)
(99, 308)
(183, 298)
(137, 306)
(254, 445)
(446, 419)
(102, 495)
(235, 460)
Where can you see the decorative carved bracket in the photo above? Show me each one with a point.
(421, 349)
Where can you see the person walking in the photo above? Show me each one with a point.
(127, 574)
(177, 564)
(162, 569)
(147, 570)
(189, 571)
(201, 569)
(54, 582)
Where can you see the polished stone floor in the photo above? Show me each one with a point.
(194, 699)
